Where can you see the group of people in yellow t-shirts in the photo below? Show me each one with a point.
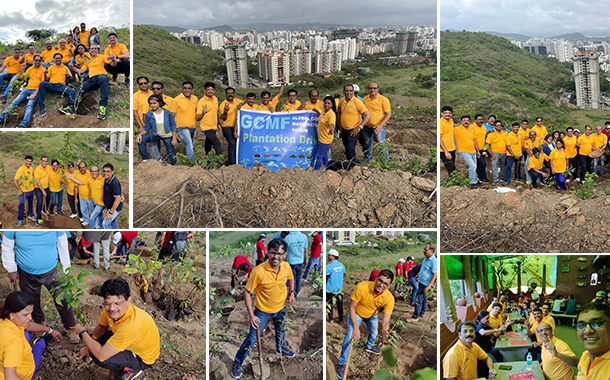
(554, 155)
(161, 118)
(75, 56)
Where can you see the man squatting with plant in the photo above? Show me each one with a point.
(126, 338)
(240, 271)
(31, 257)
(270, 280)
(367, 298)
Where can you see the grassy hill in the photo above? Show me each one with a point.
(481, 73)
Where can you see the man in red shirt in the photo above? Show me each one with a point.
(407, 266)
(314, 260)
(261, 254)
(124, 242)
(173, 243)
(240, 271)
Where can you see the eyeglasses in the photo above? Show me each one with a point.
(581, 326)
(142, 83)
(109, 304)
(543, 330)
(276, 253)
(38, 60)
(156, 88)
(373, 88)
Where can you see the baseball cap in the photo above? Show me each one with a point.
(117, 237)
(401, 260)
(333, 252)
(262, 235)
(356, 88)
(601, 293)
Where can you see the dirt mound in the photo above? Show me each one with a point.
(238, 197)
(303, 335)
(528, 220)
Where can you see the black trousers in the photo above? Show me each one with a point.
(120, 361)
(349, 142)
(329, 301)
(211, 140)
(573, 162)
(120, 68)
(586, 166)
(449, 163)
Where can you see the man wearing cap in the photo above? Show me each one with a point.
(557, 357)
(124, 243)
(261, 254)
(460, 362)
(398, 270)
(334, 284)
(366, 300)
(426, 278)
(240, 271)
(600, 296)
(593, 329)
(314, 260)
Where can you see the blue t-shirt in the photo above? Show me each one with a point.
(428, 267)
(297, 242)
(335, 282)
(112, 189)
(36, 251)
(489, 128)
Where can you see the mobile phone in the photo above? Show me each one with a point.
(505, 367)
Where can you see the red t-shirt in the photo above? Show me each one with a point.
(316, 246)
(128, 236)
(408, 266)
(84, 243)
(240, 259)
(374, 274)
(398, 269)
(168, 235)
(260, 250)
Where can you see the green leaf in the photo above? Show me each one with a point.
(424, 374)
(382, 374)
(388, 356)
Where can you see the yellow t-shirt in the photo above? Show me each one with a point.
(246, 106)
(495, 322)
(479, 133)
(465, 139)
(12, 65)
(319, 105)
(83, 37)
(524, 134)
(271, 107)
(514, 141)
(289, 107)
(598, 370)
(548, 319)
(55, 180)
(65, 53)
(118, 49)
(534, 163)
(36, 76)
(71, 184)
(47, 55)
(368, 304)
(97, 189)
(57, 74)
(559, 160)
(43, 174)
(541, 132)
(599, 140)
(231, 113)
(83, 190)
(270, 286)
(554, 368)
(351, 113)
(447, 134)
(570, 145)
(82, 60)
(461, 362)
(185, 111)
(140, 103)
(325, 120)
(586, 144)
(209, 121)
(497, 141)
(378, 107)
(168, 101)
(135, 331)
(96, 66)
(15, 351)
(24, 177)
(29, 58)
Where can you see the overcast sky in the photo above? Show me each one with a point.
(535, 18)
(194, 14)
(19, 16)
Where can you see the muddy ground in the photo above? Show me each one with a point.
(415, 348)
(183, 343)
(528, 220)
(9, 204)
(228, 332)
(237, 197)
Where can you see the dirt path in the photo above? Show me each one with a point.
(228, 332)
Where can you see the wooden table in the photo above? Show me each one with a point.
(518, 367)
(512, 352)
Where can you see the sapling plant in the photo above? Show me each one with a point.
(68, 292)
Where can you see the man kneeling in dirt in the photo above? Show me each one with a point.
(269, 280)
(240, 271)
(367, 298)
(132, 344)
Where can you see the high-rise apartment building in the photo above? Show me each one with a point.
(237, 64)
(586, 76)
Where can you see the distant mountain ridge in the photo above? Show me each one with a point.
(261, 26)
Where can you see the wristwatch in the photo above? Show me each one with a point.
(80, 334)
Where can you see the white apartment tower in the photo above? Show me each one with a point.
(586, 76)
(237, 64)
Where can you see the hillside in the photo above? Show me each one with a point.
(481, 73)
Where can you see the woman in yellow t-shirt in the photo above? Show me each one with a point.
(56, 179)
(559, 163)
(326, 131)
(19, 359)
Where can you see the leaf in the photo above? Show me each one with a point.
(388, 356)
(382, 374)
(424, 374)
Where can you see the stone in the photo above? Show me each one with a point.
(333, 177)
(423, 184)
(568, 202)
(580, 220)
(573, 211)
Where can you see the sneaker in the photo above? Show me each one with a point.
(3, 99)
(411, 306)
(127, 82)
(41, 112)
(22, 125)
(422, 314)
(232, 291)
(39, 223)
(72, 216)
(484, 181)
(285, 352)
(67, 111)
(102, 114)
(415, 317)
(236, 371)
(19, 223)
(529, 182)
(59, 213)
(129, 374)
(340, 371)
(81, 219)
(304, 280)
(577, 180)
(374, 350)
(83, 223)
(32, 217)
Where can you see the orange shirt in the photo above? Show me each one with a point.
(446, 127)
(465, 138)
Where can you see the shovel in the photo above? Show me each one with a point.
(349, 358)
(263, 374)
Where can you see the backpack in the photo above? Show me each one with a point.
(179, 236)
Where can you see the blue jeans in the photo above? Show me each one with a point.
(602, 165)
(314, 263)
(227, 132)
(40, 199)
(120, 251)
(112, 224)
(280, 332)
(86, 208)
(149, 138)
(99, 81)
(56, 199)
(321, 156)
(367, 136)
(510, 160)
(11, 78)
(23, 95)
(371, 324)
(414, 286)
(22, 198)
(187, 135)
(528, 177)
(421, 301)
(501, 158)
(536, 177)
(57, 88)
(471, 161)
(97, 216)
(297, 272)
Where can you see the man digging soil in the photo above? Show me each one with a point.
(269, 280)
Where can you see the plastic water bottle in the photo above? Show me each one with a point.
(528, 361)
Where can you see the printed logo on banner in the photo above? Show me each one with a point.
(277, 140)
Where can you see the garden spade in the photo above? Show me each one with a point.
(349, 358)
(264, 369)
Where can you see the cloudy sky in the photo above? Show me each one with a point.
(535, 18)
(19, 16)
(194, 14)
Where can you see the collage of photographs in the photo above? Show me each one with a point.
(192, 190)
